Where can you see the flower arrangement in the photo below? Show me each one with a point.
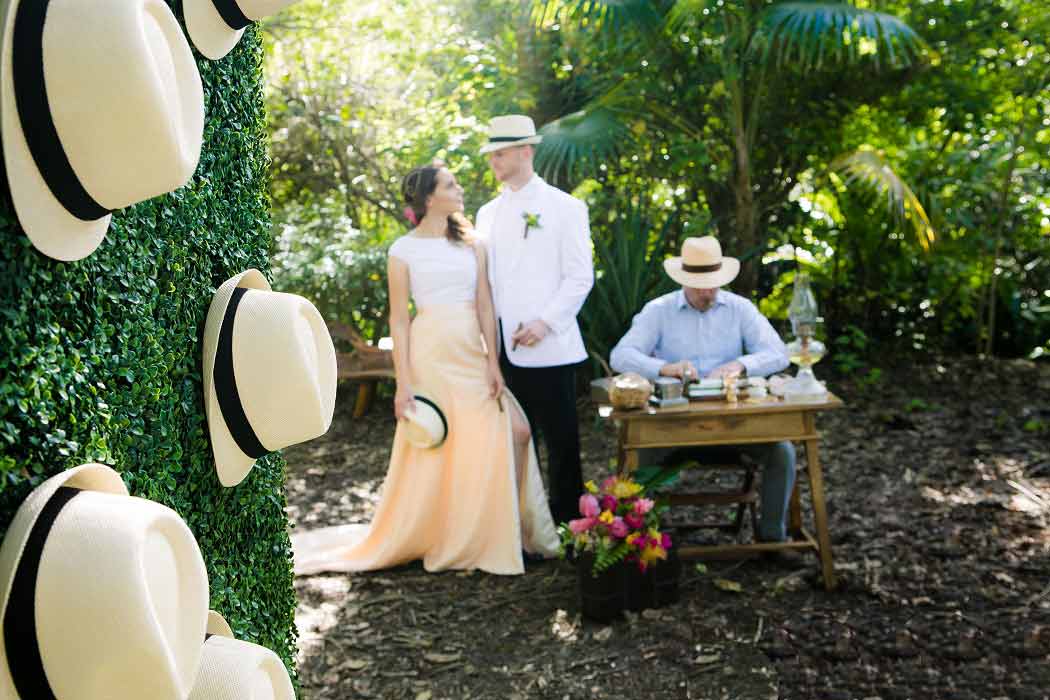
(619, 524)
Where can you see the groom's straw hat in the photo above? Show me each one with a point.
(426, 425)
(269, 373)
(234, 670)
(510, 130)
(702, 264)
(101, 106)
(104, 596)
(215, 26)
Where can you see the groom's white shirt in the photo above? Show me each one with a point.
(546, 276)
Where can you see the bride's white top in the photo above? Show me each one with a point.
(439, 271)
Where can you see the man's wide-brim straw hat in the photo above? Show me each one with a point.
(234, 670)
(104, 596)
(702, 265)
(101, 106)
(269, 373)
(425, 425)
(215, 26)
(509, 131)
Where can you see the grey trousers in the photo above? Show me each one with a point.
(777, 460)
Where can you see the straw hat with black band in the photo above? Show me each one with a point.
(509, 131)
(426, 425)
(269, 373)
(231, 669)
(215, 26)
(104, 596)
(101, 106)
(702, 265)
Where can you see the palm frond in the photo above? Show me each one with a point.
(812, 34)
(607, 15)
(581, 142)
(869, 168)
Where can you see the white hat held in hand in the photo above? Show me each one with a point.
(101, 106)
(702, 265)
(269, 373)
(510, 130)
(425, 425)
(104, 595)
(234, 670)
(215, 26)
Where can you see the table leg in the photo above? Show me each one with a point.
(795, 511)
(820, 515)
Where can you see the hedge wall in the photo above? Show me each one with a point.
(100, 359)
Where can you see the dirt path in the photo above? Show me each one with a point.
(939, 502)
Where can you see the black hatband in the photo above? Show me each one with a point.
(226, 384)
(20, 640)
(34, 114)
(231, 14)
(441, 415)
(701, 268)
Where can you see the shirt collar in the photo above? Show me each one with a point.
(683, 303)
(530, 190)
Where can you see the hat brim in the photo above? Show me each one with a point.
(49, 226)
(426, 425)
(88, 477)
(207, 29)
(702, 280)
(500, 145)
(231, 464)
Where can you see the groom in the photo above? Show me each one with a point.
(541, 271)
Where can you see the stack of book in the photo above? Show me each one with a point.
(711, 389)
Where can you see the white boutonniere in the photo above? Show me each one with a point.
(531, 221)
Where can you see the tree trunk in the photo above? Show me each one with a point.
(745, 220)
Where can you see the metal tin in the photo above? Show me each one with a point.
(668, 388)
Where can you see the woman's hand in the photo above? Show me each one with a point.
(495, 380)
(403, 401)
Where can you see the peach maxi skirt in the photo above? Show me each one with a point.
(456, 506)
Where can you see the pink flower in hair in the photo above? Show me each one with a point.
(411, 216)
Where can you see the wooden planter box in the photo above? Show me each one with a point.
(604, 597)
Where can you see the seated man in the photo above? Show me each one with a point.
(704, 331)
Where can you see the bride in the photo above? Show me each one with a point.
(476, 500)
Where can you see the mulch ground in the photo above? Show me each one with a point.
(938, 483)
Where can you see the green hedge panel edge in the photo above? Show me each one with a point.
(100, 359)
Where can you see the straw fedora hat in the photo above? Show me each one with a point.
(702, 265)
(269, 373)
(104, 595)
(234, 670)
(101, 106)
(425, 425)
(215, 26)
(510, 130)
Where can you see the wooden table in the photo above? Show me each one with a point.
(704, 423)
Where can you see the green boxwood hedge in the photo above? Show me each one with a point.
(100, 359)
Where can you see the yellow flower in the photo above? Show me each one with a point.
(632, 537)
(591, 487)
(626, 489)
(650, 554)
(606, 517)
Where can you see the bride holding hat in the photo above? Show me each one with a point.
(463, 488)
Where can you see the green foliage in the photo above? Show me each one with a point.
(605, 558)
(628, 251)
(100, 359)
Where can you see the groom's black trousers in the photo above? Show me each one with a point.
(548, 395)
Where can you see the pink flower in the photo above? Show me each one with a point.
(618, 528)
(665, 541)
(634, 521)
(411, 216)
(643, 506)
(581, 525)
(589, 506)
(609, 484)
(609, 503)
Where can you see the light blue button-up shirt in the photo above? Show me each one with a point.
(669, 329)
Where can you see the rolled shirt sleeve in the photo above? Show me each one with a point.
(577, 272)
